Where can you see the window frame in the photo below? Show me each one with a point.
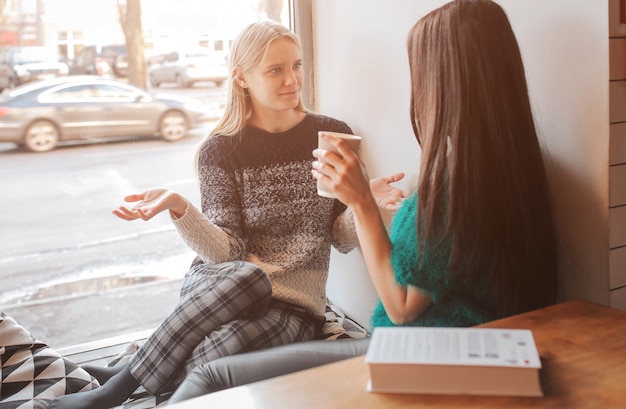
(301, 22)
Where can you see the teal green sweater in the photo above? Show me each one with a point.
(456, 302)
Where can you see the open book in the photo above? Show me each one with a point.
(469, 361)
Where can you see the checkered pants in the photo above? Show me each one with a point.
(224, 309)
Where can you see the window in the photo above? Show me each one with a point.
(79, 92)
(72, 272)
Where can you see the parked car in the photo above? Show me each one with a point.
(101, 60)
(19, 65)
(41, 114)
(188, 67)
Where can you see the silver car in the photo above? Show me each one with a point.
(185, 68)
(41, 114)
(19, 65)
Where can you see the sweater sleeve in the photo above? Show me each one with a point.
(427, 271)
(215, 233)
(345, 238)
(405, 257)
(194, 228)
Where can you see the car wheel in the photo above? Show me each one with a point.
(41, 136)
(154, 82)
(180, 81)
(173, 126)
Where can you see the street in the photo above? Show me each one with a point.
(61, 243)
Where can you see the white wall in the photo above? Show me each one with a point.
(362, 77)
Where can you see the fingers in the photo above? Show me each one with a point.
(325, 156)
(133, 214)
(346, 154)
(395, 205)
(396, 177)
(145, 208)
(135, 197)
(319, 173)
(342, 149)
(334, 171)
(329, 161)
(326, 163)
(124, 213)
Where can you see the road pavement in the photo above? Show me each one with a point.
(76, 319)
(70, 272)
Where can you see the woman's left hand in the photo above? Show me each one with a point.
(388, 197)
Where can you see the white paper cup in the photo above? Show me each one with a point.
(353, 141)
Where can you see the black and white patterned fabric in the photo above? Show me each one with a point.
(33, 374)
(339, 326)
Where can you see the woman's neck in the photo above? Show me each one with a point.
(275, 122)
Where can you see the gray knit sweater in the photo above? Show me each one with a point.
(260, 204)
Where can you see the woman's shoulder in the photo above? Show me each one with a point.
(328, 123)
(217, 142)
(215, 147)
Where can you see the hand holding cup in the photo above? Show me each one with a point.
(353, 141)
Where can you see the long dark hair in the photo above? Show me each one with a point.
(483, 187)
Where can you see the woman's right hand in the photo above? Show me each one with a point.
(152, 202)
(342, 171)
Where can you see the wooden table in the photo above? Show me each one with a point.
(582, 348)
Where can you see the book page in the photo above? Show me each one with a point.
(458, 346)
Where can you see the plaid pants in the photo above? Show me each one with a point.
(224, 309)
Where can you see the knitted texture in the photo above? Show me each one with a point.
(260, 204)
(456, 302)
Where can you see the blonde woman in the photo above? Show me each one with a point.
(263, 235)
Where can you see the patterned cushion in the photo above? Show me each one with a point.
(339, 326)
(32, 374)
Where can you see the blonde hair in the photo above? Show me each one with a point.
(247, 51)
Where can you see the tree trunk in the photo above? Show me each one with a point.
(271, 8)
(130, 19)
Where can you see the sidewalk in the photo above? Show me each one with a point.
(67, 321)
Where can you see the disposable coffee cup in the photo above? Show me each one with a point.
(353, 141)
